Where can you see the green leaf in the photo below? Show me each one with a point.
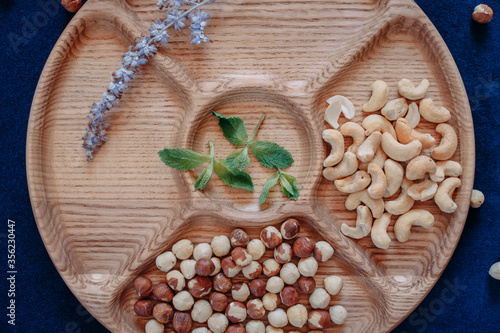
(233, 128)
(267, 186)
(204, 177)
(239, 159)
(232, 176)
(182, 159)
(289, 185)
(271, 154)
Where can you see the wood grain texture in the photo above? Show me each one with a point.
(104, 222)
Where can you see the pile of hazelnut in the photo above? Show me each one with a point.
(220, 298)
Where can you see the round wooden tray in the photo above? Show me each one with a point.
(104, 222)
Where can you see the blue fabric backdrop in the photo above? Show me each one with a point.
(465, 299)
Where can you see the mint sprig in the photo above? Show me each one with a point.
(233, 129)
(288, 185)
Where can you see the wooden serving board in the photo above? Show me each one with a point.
(104, 222)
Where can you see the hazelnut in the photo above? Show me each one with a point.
(252, 271)
(202, 251)
(201, 311)
(319, 299)
(271, 301)
(163, 312)
(188, 268)
(308, 266)
(217, 265)
(272, 329)
(153, 326)
(297, 315)
(255, 309)
(201, 330)
(218, 301)
(236, 312)
(183, 249)
(333, 284)
(289, 273)
(240, 291)
(222, 283)
(271, 267)
(289, 296)
(200, 286)
(271, 237)
(338, 314)
(255, 326)
(182, 322)
(217, 323)
(290, 228)
(220, 246)
(257, 287)
(275, 284)
(241, 257)
(303, 247)
(176, 280)
(322, 251)
(283, 253)
(482, 14)
(162, 292)
(229, 267)
(183, 301)
(238, 237)
(307, 285)
(318, 319)
(72, 6)
(143, 286)
(144, 308)
(256, 249)
(277, 318)
(204, 267)
(166, 261)
(235, 328)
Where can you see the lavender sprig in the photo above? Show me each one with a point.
(144, 49)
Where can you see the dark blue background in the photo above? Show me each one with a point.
(465, 299)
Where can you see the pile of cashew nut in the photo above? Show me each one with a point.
(388, 155)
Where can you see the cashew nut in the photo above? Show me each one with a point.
(366, 151)
(423, 191)
(476, 199)
(448, 144)
(408, 90)
(336, 140)
(413, 116)
(380, 238)
(406, 134)
(378, 187)
(394, 173)
(395, 109)
(446, 169)
(403, 203)
(355, 199)
(363, 224)
(357, 134)
(379, 160)
(398, 151)
(380, 94)
(417, 217)
(443, 197)
(347, 167)
(346, 108)
(355, 183)
(376, 122)
(432, 113)
(419, 167)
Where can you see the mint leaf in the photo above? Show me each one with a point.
(204, 177)
(239, 159)
(289, 185)
(267, 186)
(233, 129)
(271, 154)
(182, 159)
(232, 176)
